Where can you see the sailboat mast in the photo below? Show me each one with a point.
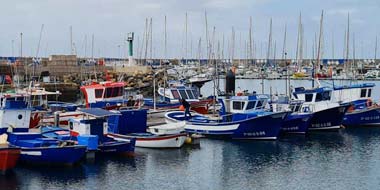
(268, 55)
(165, 41)
(376, 48)
(348, 39)
(207, 40)
(250, 51)
(186, 38)
(319, 45)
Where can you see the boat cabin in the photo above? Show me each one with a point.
(93, 122)
(175, 93)
(351, 93)
(315, 99)
(103, 94)
(245, 104)
(14, 113)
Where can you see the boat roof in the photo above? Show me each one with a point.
(97, 112)
(104, 85)
(302, 90)
(250, 97)
(363, 85)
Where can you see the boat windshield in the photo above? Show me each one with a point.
(183, 94)
(251, 105)
(190, 94)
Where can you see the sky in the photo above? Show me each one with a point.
(109, 21)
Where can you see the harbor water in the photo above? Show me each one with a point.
(345, 159)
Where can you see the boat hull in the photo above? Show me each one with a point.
(156, 141)
(365, 117)
(296, 123)
(53, 155)
(265, 127)
(328, 119)
(8, 157)
(118, 147)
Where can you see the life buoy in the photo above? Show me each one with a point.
(239, 94)
(369, 103)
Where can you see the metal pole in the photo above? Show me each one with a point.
(154, 92)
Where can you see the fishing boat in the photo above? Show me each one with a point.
(298, 121)
(133, 124)
(244, 119)
(94, 124)
(327, 112)
(14, 118)
(37, 149)
(169, 98)
(363, 110)
(107, 95)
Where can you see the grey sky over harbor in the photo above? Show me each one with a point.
(111, 20)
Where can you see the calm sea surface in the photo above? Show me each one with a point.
(348, 159)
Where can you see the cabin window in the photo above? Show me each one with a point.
(191, 96)
(98, 93)
(319, 97)
(195, 92)
(369, 92)
(183, 94)
(175, 94)
(363, 93)
(108, 93)
(323, 96)
(115, 92)
(308, 97)
(259, 104)
(297, 108)
(326, 95)
(251, 105)
(238, 105)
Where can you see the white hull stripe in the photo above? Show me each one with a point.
(212, 128)
(31, 153)
(324, 128)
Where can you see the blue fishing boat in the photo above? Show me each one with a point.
(327, 112)
(245, 118)
(363, 110)
(133, 124)
(297, 122)
(37, 149)
(15, 114)
(94, 123)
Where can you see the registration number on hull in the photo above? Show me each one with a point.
(255, 134)
(318, 125)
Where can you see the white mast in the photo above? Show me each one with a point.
(319, 46)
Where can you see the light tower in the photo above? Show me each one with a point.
(130, 37)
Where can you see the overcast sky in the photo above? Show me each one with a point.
(111, 20)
